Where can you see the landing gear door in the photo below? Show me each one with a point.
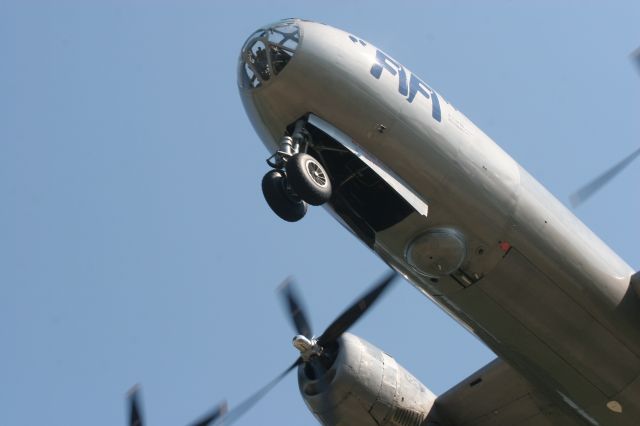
(395, 182)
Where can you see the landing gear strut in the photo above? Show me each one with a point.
(296, 178)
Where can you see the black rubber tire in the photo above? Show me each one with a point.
(308, 179)
(282, 204)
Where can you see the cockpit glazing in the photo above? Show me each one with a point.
(266, 53)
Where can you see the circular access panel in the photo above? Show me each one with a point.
(437, 252)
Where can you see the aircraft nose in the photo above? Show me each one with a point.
(267, 52)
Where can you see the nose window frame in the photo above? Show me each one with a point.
(267, 52)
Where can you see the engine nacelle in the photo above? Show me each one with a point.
(365, 387)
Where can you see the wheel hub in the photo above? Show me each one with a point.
(316, 173)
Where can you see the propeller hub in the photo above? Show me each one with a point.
(307, 347)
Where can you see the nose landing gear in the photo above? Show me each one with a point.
(297, 178)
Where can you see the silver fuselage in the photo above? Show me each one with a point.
(541, 290)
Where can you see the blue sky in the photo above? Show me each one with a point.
(135, 245)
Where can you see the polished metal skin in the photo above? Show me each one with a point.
(532, 282)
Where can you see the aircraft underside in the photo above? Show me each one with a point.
(507, 308)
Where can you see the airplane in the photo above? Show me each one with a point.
(351, 129)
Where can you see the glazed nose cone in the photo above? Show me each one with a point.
(266, 53)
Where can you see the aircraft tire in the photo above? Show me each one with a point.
(308, 179)
(282, 204)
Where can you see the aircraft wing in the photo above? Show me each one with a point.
(496, 395)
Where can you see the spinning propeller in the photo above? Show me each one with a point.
(316, 353)
(584, 193)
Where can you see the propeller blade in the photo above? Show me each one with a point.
(248, 403)
(635, 57)
(295, 307)
(592, 187)
(135, 418)
(212, 416)
(355, 311)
